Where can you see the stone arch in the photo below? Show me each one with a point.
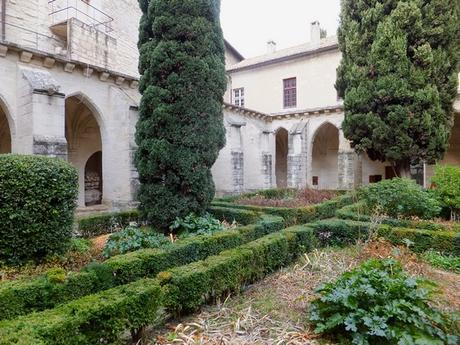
(325, 157)
(452, 155)
(7, 128)
(281, 160)
(84, 131)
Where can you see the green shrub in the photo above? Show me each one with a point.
(359, 213)
(446, 242)
(400, 198)
(106, 223)
(337, 232)
(445, 262)
(132, 239)
(378, 303)
(37, 202)
(294, 216)
(22, 297)
(195, 225)
(447, 187)
(96, 319)
(231, 214)
(189, 287)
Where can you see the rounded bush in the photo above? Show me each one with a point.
(400, 198)
(37, 204)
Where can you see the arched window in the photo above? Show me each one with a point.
(282, 150)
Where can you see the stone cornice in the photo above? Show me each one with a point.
(297, 114)
(51, 60)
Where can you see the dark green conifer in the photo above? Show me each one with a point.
(399, 77)
(180, 129)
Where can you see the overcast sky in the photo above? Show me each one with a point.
(249, 24)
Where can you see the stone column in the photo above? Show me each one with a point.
(297, 158)
(42, 114)
(348, 164)
(237, 156)
(267, 159)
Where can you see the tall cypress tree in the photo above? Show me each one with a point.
(180, 129)
(398, 77)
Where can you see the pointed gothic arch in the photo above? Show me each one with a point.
(6, 129)
(84, 132)
(325, 157)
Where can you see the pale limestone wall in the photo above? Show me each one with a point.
(29, 22)
(316, 76)
(38, 120)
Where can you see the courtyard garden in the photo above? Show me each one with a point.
(322, 273)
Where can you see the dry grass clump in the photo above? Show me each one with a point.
(295, 198)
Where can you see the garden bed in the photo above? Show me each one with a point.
(273, 311)
(290, 198)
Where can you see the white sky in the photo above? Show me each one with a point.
(249, 24)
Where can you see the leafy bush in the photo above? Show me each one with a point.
(37, 203)
(445, 262)
(378, 303)
(106, 223)
(131, 239)
(446, 180)
(400, 198)
(195, 225)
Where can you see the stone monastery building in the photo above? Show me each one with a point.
(68, 89)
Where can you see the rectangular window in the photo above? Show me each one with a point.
(290, 92)
(238, 97)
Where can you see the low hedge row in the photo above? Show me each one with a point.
(102, 318)
(106, 223)
(96, 319)
(339, 232)
(231, 214)
(356, 212)
(446, 242)
(301, 215)
(22, 297)
(188, 287)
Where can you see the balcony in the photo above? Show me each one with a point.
(62, 11)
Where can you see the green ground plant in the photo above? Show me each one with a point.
(131, 239)
(378, 303)
(445, 262)
(193, 225)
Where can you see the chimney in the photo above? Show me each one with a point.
(271, 46)
(315, 37)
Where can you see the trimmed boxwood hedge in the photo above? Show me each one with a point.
(102, 224)
(188, 287)
(356, 212)
(446, 242)
(37, 201)
(96, 319)
(339, 232)
(231, 214)
(21, 297)
(101, 318)
(301, 215)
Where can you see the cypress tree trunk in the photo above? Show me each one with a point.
(180, 130)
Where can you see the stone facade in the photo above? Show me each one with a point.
(68, 89)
